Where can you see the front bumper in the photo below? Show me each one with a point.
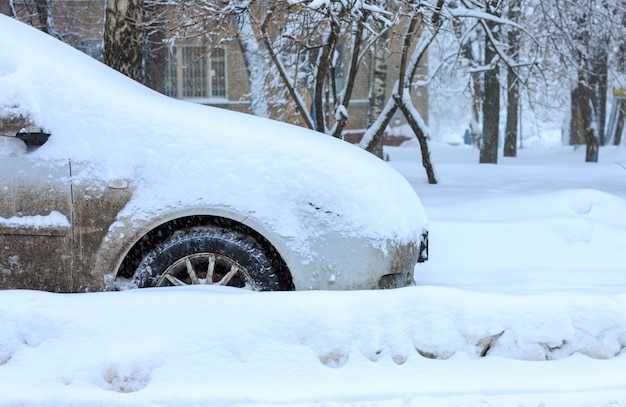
(403, 268)
(397, 280)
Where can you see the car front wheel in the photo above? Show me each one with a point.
(209, 255)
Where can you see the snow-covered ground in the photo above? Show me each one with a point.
(523, 303)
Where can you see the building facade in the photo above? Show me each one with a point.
(197, 70)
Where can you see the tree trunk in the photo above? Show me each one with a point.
(342, 102)
(374, 134)
(322, 76)
(402, 91)
(155, 50)
(583, 122)
(593, 147)
(621, 67)
(491, 107)
(586, 111)
(578, 100)
(599, 79)
(44, 15)
(401, 95)
(477, 108)
(512, 108)
(123, 37)
(410, 116)
(6, 8)
(474, 87)
(378, 91)
(621, 116)
(590, 123)
(282, 72)
(253, 61)
(491, 118)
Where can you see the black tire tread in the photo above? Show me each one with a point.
(238, 246)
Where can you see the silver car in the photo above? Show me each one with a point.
(105, 184)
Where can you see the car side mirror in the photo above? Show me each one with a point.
(12, 147)
(33, 140)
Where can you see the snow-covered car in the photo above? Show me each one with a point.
(106, 184)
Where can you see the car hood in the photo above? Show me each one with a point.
(179, 154)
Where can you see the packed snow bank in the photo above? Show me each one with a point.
(522, 303)
(545, 220)
(171, 345)
(552, 236)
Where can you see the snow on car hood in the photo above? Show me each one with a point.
(178, 154)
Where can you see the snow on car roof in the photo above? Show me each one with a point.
(182, 153)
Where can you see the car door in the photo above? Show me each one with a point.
(95, 205)
(35, 220)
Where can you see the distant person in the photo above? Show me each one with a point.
(467, 137)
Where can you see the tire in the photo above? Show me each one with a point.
(209, 255)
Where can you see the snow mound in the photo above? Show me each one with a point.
(333, 327)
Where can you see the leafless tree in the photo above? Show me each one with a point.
(584, 34)
(123, 37)
(513, 81)
(6, 8)
(491, 95)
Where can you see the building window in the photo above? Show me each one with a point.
(218, 73)
(196, 72)
(338, 68)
